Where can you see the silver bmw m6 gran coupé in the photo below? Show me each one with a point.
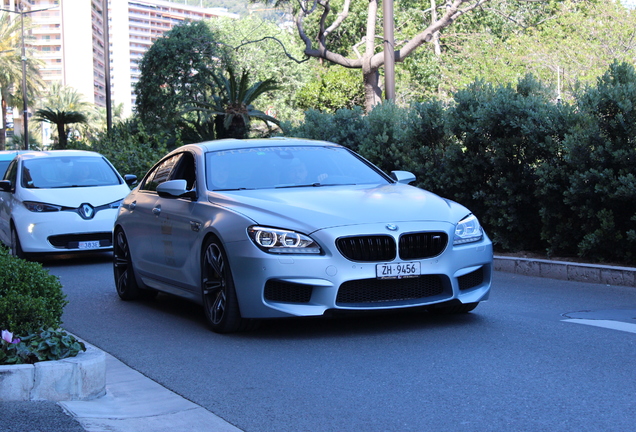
(281, 227)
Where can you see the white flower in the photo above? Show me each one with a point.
(7, 336)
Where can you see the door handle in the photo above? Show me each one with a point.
(156, 211)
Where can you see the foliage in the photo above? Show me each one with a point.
(261, 47)
(60, 118)
(30, 298)
(11, 68)
(130, 148)
(39, 346)
(176, 72)
(333, 88)
(233, 108)
(502, 134)
(590, 189)
(508, 39)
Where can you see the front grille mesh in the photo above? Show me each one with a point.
(279, 291)
(367, 248)
(422, 245)
(71, 241)
(471, 280)
(381, 248)
(389, 290)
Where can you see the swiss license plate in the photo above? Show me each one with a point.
(89, 244)
(397, 270)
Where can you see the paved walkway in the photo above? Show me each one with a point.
(135, 403)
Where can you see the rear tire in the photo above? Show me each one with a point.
(219, 295)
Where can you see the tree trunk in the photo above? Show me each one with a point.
(62, 136)
(3, 131)
(372, 90)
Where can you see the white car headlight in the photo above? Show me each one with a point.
(38, 207)
(468, 230)
(280, 241)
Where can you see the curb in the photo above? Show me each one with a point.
(82, 377)
(570, 271)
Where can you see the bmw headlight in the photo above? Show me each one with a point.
(39, 207)
(468, 230)
(280, 241)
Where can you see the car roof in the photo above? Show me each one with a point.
(7, 155)
(57, 153)
(231, 144)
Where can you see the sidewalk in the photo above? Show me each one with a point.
(132, 403)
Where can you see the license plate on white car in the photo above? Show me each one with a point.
(397, 270)
(89, 244)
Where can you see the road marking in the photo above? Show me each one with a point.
(614, 325)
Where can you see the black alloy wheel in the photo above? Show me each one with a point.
(219, 296)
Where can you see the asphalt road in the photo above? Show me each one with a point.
(515, 364)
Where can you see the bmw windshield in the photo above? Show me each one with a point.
(285, 167)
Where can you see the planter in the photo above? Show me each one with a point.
(82, 377)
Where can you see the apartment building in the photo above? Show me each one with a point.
(134, 26)
(70, 38)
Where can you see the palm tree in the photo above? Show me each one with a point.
(233, 109)
(11, 69)
(64, 105)
(60, 119)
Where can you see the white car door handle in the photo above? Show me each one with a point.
(156, 211)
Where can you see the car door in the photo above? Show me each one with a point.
(142, 227)
(7, 201)
(178, 231)
(162, 251)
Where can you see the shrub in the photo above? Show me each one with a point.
(131, 149)
(503, 134)
(39, 346)
(593, 182)
(30, 298)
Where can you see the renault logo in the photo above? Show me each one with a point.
(86, 211)
(391, 227)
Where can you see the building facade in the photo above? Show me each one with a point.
(70, 37)
(134, 26)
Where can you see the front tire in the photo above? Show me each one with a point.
(16, 248)
(219, 295)
(125, 281)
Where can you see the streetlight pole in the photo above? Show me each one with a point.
(389, 51)
(25, 105)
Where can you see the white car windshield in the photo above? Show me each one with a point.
(66, 172)
(285, 167)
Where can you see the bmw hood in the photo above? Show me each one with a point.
(314, 208)
(76, 196)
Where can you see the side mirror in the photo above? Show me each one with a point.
(130, 179)
(403, 176)
(175, 189)
(5, 185)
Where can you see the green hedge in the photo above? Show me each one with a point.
(30, 297)
(541, 174)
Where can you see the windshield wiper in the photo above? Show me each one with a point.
(314, 185)
(232, 189)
